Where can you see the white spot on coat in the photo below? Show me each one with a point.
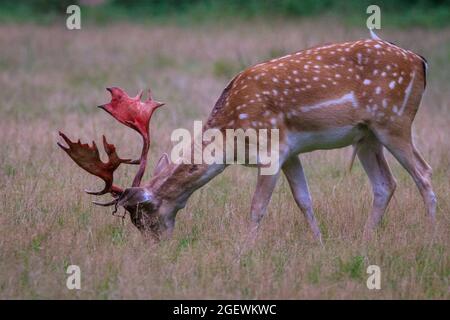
(395, 109)
(392, 84)
(359, 56)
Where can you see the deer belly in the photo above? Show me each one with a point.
(339, 137)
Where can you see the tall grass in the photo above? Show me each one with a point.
(52, 78)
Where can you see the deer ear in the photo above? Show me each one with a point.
(162, 163)
(131, 197)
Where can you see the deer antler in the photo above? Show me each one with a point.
(131, 112)
(135, 114)
(88, 158)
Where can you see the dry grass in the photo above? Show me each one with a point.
(51, 79)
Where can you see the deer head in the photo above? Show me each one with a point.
(136, 114)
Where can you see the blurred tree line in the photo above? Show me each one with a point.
(406, 12)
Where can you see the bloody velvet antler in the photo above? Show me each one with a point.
(131, 112)
(135, 114)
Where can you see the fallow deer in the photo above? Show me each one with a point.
(363, 93)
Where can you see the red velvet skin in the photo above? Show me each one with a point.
(131, 112)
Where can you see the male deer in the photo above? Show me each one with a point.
(364, 93)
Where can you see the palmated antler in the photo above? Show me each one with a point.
(131, 112)
(88, 158)
(135, 114)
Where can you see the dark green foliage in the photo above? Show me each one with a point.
(40, 6)
(428, 13)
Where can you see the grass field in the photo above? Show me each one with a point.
(52, 78)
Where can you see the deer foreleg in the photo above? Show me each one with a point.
(261, 198)
(293, 171)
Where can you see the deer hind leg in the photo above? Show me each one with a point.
(425, 167)
(371, 156)
(295, 175)
(402, 148)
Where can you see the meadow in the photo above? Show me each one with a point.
(52, 79)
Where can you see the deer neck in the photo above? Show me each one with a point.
(177, 182)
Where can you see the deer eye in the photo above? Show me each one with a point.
(147, 206)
